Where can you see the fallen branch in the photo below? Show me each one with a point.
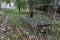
(4, 26)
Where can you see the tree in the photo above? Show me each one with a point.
(56, 6)
(0, 4)
(21, 4)
(18, 4)
(31, 7)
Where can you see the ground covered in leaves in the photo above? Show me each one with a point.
(18, 30)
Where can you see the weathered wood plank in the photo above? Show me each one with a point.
(35, 23)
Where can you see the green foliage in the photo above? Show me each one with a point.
(8, 1)
(24, 4)
(36, 2)
(21, 3)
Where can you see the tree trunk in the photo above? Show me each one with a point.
(0, 4)
(19, 9)
(31, 8)
(56, 5)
